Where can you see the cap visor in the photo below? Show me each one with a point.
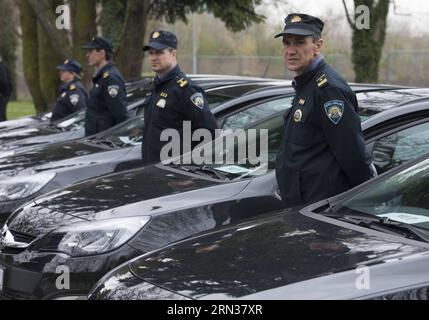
(299, 32)
(62, 68)
(89, 46)
(154, 45)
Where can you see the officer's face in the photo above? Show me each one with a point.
(299, 51)
(95, 57)
(66, 76)
(162, 60)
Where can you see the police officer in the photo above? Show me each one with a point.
(5, 89)
(174, 99)
(107, 102)
(323, 151)
(73, 95)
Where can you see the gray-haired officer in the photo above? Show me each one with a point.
(73, 95)
(107, 102)
(174, 99)
(323, 151)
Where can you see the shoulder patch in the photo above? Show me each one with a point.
(182, 82)
(198, 100)
(106, 75)
(334, 109)
(74, 99)
(72, 87)
(113, 90)
(322, 81)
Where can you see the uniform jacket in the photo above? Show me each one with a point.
(323, 151)
(107, 102)
(72, 98)
(174, 99)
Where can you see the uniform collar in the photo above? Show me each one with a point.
(103, 69)
(170, 75)
(309, 72)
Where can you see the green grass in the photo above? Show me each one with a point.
(18, 109)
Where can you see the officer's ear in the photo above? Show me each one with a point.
(318, 45)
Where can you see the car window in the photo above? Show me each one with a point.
(399, 147)
(403, 197)
(258, 112)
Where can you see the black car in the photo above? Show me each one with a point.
(27, 121)
(96, 225)
(31, 173)
(371, 242)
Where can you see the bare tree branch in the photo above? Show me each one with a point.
(349, 20)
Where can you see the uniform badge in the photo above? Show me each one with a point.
(72, 87)
(106, 75)
(296, 19)
(334, 110)
(155, 35)
(113, 90)
(198, 100)
(161, 103)
(63, 94)
(74, 99)
(297, 116)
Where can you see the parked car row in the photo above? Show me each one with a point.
(127, 231)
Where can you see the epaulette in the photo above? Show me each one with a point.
(182, 82)
(72, 87)
(322, 81)
(106, 75)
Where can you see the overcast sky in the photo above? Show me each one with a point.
(411, 13)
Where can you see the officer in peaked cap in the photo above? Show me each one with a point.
(73, 95)
(174, 98)
(323, 150)
(107, 102)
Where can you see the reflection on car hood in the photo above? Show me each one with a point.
(24, 163)
(18, 123)
(100, 198)
(24, 133)
(271, 252)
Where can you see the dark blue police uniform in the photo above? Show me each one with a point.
(72, 94)
(323, 151)
(107, 102)
(174, 99)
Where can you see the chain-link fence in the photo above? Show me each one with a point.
(407, 67)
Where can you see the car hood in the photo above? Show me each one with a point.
(24, 163)
(274, 251)
(24, 133)
(18, 123)
(41, 139)
(143, 191)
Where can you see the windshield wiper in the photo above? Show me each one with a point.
(202, 169)
(382, 224)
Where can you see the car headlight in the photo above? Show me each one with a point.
(22, 187)
(89, 238)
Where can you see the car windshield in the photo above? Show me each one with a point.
(75, 122)
(244, 155)
(373, 102)
(403, 197)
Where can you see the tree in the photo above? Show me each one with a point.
(8, 38)
(31, 54)
(367, 43)
(83, 19)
